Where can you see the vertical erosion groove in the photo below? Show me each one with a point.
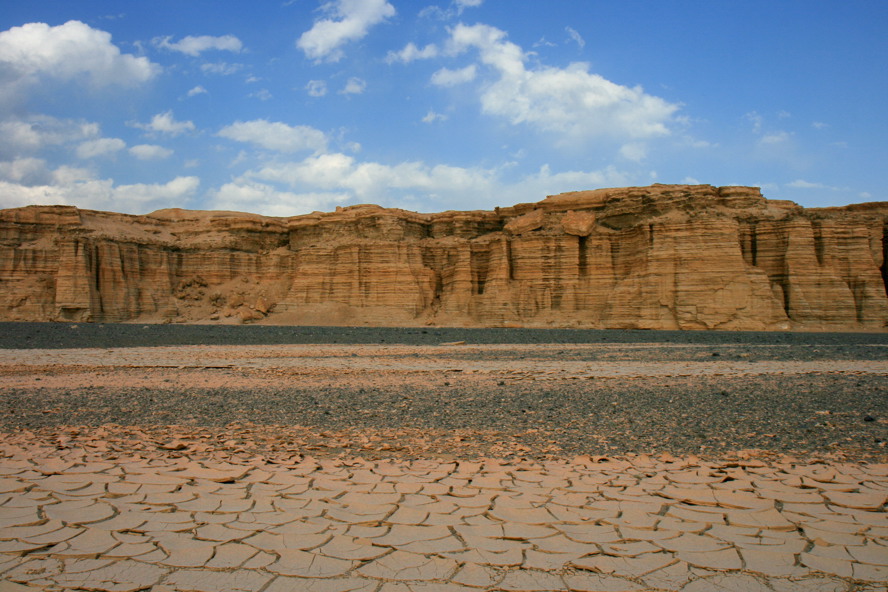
(480, 262)
(885, 258)
(582, 257)
(817, 227)
(753, 245)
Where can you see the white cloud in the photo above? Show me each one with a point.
(456, 8)
(350, 21)
(570, 102)
(221, 68)
(411, 52)
(262, 94)
(36, 132)
(339, 178)
(69, 51)
(354, 86)
(252, 196)
(273, 135)
(73, 186)
(100, 147)
(156, 195)
(695, 143)
(634, 151)
(802, 184)
(432, 117)
(447, 77)
(150, 152)
(819, 125)
(371, 181)
(165, 123)
(575, 37)
(26, 171)
(757, 121)
(194, 46)
(777, 137)
(197, 90)
(316, 88)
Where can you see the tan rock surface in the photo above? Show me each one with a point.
(659, 257)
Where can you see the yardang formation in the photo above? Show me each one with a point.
(659, 257)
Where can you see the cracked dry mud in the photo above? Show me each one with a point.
(427, 468)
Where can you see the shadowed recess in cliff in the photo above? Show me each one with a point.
(658, 257)
(885, 258)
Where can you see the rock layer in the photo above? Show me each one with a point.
(659, 257)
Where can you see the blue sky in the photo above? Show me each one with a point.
(286, 107)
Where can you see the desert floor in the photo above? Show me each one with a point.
(151, 457)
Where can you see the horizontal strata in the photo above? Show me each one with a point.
(658, 257)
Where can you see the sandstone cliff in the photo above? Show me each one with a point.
(659, 257)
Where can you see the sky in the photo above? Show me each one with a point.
(284, 107)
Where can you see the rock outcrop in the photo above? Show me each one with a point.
(659, 257)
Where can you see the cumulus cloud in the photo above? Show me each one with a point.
(69, 51)
(197, 90)
(411, 52)
(253, 196)
(26, 171)
(288, 187)
(316, 88)
(571, 102)
(350, 20)
(150, 152)
(371, 181)
(31, 134)
(354, 86)
(194, 46)
(155, 195)
(165, 123)
(73, 186)
(274, 135)
(447, 77)
(100, 147)
(634, 151)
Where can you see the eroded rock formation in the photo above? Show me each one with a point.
(659, 257)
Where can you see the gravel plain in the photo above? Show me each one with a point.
(451, 392)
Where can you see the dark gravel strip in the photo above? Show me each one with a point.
(803, 415)
(78, 335)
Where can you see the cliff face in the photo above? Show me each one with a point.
(660, 257)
